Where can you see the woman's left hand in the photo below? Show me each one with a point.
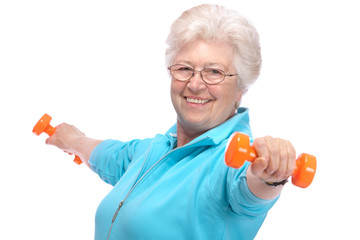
(276, 159)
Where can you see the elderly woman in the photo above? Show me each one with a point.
(176, 185)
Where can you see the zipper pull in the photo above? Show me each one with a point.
(117, 211)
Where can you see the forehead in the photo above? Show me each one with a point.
(201, 53)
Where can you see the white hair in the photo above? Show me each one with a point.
(214, 22)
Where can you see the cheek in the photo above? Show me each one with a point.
(176, 88)
(173, 88)
(227, 96)
(228, 100)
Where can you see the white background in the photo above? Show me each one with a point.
(100, 66)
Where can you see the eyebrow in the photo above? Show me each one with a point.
(216, 65)
(206, 65)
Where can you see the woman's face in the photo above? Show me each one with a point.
(199, 106)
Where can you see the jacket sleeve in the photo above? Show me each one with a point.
(241, 199)
(229, 187)
(111, 158)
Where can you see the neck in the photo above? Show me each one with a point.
(185, 136)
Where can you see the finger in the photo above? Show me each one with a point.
(274, 155)
(260, 164)
(258, 167)
(283, 160)
(50, 140)
(55, 138)
(261, 149)
(291, 159)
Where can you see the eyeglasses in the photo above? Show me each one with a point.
(210, 76)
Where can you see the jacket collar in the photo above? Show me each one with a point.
(238, 123)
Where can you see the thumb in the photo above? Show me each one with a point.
(48, 141)
(258, 166)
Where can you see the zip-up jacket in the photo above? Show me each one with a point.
(166, 192)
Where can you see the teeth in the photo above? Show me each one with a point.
(192, 100)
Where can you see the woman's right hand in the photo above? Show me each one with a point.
(66, 137)
(71, 140)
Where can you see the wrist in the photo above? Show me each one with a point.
(276, 184)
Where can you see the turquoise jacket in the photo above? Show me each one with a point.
(164, 192)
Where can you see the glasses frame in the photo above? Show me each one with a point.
(201, 74)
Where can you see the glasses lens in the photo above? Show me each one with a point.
(181, 72)
(212, 75)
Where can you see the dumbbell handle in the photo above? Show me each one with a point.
(49, 130)
(43, 125)
(238, 150)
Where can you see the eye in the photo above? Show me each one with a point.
(214, 72)
(183, 68)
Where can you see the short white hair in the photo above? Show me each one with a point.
(214, 22)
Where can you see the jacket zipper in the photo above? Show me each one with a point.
(138, 181)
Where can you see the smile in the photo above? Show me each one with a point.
(197, 101)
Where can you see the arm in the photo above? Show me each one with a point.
(71, 140)
(276, 161)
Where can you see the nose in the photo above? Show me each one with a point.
(196, 83)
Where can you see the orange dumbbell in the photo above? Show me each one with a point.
(239, 150)
(43, 125)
